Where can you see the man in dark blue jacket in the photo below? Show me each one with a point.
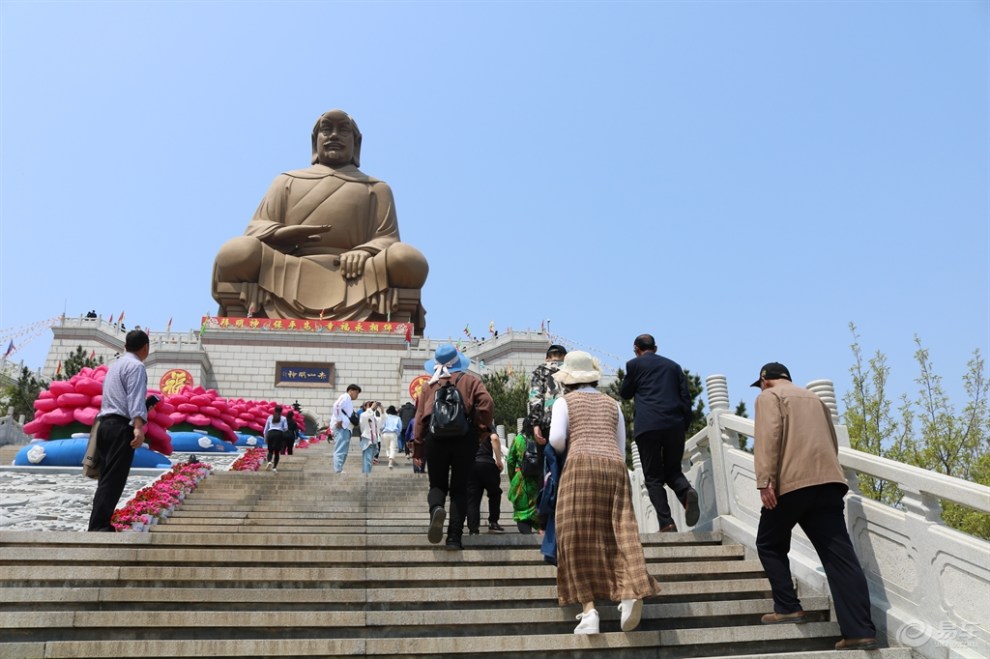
(662, 416)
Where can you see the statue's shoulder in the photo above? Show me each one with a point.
(311, 172)
(349, 173)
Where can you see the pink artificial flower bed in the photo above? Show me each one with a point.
(160, 498)
(250, 461)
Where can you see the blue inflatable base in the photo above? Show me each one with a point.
(70, 453)
(250, 441)
(194, 442)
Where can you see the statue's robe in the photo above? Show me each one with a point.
(305, 281)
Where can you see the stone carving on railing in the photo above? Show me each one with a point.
(929, 584)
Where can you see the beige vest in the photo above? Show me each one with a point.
(591, 421)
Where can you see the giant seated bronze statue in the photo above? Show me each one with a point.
(324, 243)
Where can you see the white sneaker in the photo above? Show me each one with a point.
(588, 624)
(630, 612)
(275, 469)
(268, 466)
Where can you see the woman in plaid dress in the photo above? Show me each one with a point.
(599, 554)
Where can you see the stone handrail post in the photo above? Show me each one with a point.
(718, 402)
(825, 389)
(718, 392)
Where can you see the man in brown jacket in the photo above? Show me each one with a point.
(801, 482)
(450, 460)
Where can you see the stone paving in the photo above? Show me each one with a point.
(61, 500)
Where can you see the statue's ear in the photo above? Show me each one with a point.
(316, 131)
(357, 146)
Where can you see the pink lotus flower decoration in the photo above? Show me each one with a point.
(203, 408)
(72, 405)
(69, 406)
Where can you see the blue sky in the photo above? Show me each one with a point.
(742, 179)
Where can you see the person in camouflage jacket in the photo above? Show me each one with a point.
(543, 391)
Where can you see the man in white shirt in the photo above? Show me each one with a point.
(123, 414)
(342, 426)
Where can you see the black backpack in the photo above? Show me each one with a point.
(449, 419)
(530, 465)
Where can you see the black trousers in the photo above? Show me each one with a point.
(661, 452)
(274, 440)
(819, 510)
(450, 462)
(113, 445)
(485, 477)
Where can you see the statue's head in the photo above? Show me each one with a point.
(336, 140)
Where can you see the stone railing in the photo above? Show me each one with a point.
(12, 430)
(188, 341)
(929, 584)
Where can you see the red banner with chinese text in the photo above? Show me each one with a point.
(303, 325)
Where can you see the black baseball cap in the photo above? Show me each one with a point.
(556, 348)
(772, 371)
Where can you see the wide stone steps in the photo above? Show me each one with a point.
(308, 563)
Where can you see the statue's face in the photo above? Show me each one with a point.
(335, 139)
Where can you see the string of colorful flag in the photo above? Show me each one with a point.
(609, 362)
(24, 335)
(15, 332)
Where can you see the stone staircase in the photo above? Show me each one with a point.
(307, 563)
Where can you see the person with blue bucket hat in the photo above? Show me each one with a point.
(450, 459)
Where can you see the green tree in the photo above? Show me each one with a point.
(626, 406)
(19, 397)
(695, 389)
(745, 443)
(951, 443)
(870, 421)
(613, 390)
(927, 431)
(510, 393)
(76, 362)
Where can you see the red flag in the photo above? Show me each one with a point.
(110, 318)
(121, 319)
(168, 325)
(58, 369)
(408, 332)
(10, 348)
(92, 355)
